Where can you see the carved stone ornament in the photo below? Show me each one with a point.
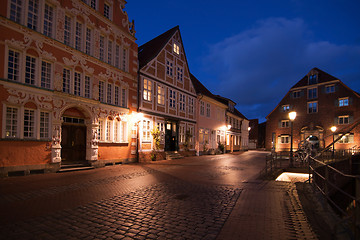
(76, 60)
(21, 97)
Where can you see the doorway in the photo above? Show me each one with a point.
(73, 144)
(171, 136)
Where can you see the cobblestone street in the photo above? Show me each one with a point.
(207, 197)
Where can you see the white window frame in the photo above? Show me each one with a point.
(44, 129)
(285, 123)
(202, 108)
(79, 26)
(147, 90)
(160, 94)
(66, 82)
(101, 91)
(46, 74)
(87, 86)
(180, 75)
(169, 68)
(146, 131)
(330, 88)
(88, 41)
(102, 48)
(11, 122)
(312, 93)
(32, 15)
(284, 139)
(77, 83)
(182, 102)
(30, 70)
(109, 52)
(208, 110)
(312, 108)
(18, 13)
(172, 99)
(343, 102)
(48, 21)
(29, 130)
(68, 30)
(343, 120)
(191, 105)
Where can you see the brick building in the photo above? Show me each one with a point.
(68, 84)
(167, 97)
(320, 101)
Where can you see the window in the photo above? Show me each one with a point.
(13, 65)
(45, 75)
(146, 131)
(107, 10)
(30, 66)
(284, 139)
(88, 41)
(110, 47)
(123, 135)
(202, 108)
(11, 122)
(93, 4)
(161, 95)
(285, 108)
(117, 56)
(161, 127)
(44, 124)
(66, 80)
(285, 123)
(116, 130)
(29, 123)
(312, 107)
(108, 130)
(191, 131)
(116, 96)
(102, 48)
(207, 110)
(32, 18)
(100, 130)
(48, 20)
(169, 68)
(343, 102)
(77, 83)
(181, 102)
(347, 138)
(313, 79)
(109, 93)
(124, 60)
(147, 90)
(201, 135)
(343, 120)
(296, 94)
(312, 93)
(330, 88)
(191, 105)
(101, 91)
(15, 10)
(206, 136)
(78, 36)
(179, 74)
(67, 31)
(176, 49)
(182, 134)
(87, 92)
(123, 97)
(172, 99)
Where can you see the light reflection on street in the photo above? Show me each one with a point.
(293, 177)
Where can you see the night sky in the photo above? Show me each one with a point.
(253, 52)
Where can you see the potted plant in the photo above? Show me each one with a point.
(156, 136)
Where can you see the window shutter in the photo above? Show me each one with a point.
(302, 93)
(336, 87)
(279, 124)
(350, 101)
(351, 138)
(336, 102)
(335, 120)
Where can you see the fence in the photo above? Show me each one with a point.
(330, 181)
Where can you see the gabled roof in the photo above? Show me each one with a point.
(237, 113)
(226, 101)
(322, 78)
(151, 49)
(200, 88)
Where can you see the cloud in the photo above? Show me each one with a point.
(257, 67)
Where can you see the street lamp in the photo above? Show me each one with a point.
(292, 116)
(137, 117)
(333, 129)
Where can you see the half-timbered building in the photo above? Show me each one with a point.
(167, 98)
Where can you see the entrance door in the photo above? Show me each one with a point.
(73, 144)
(171, 136)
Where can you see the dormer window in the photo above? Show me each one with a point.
(313, 79)
(176, 48)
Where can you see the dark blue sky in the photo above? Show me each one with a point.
(253, 51)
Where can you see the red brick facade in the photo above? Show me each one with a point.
(320, 101)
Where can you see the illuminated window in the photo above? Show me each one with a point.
(146, 131)
(176, 48)
(343, 119)
(330, 88)
(160, 95)
(312, 93)
(347, 138)
(201, 135)
(30, 66)
(312, 107)
(343, 102)
(147, 90)
(182, 134)
(11, 129)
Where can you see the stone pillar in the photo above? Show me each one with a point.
(92, 145)
(56, 140)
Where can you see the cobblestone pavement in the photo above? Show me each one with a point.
(208, 197)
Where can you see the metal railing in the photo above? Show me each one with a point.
(328, 180)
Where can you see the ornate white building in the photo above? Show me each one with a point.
(68, 84)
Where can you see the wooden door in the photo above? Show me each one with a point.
(73, 144)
